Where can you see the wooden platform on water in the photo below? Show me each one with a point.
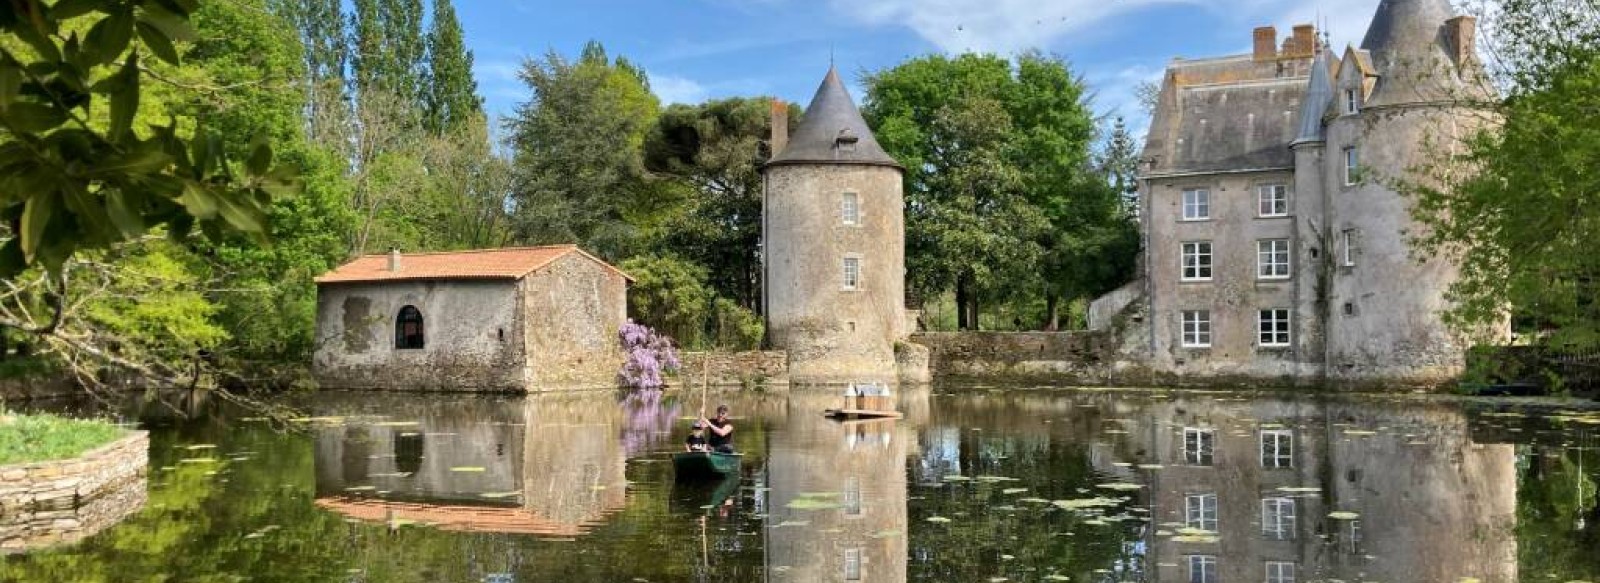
(862, 414)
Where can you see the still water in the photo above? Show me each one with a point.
(974, 484)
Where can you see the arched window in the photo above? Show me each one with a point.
(408, 329)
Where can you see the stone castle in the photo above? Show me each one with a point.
(1276, 246)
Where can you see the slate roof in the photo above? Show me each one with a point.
(1410, 52)
(1319, 96)
(1231, 115)
(831, 114)
(483, 264)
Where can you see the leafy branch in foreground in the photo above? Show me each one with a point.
(74, 178)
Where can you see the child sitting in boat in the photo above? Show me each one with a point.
(697, 439)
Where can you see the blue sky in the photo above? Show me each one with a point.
(698, 49)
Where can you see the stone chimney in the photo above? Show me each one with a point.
(1462, 34)
(1266, 45)
(394, 259)
(1302, 44)
(780, 126)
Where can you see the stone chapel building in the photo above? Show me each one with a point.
(1275, 246)
(516, 320)
(833, 244)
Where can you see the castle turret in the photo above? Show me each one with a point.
(833, 240)
(1400, 105)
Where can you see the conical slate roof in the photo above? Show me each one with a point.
(1406, 40)
(833, 132)
(1319, 95)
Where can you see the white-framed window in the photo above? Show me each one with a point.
(850, 208)
(1272, 200)
(1352, 101)
(1277, 448)
(1349, 246)
(1273, 327)
(1280, 572)
(1202, 568)
(1272, 259)
(1196, 328)
(1196, 204)
(852, 564)
(852, 496)
(852, 273)
(1199, 443)
(1277, 518)
(1351, 537)
(1200, 511)
(1352, 166)
(1196, 261)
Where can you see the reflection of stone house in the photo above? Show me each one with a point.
(478, 466)
(1276, 245)
(504, 319)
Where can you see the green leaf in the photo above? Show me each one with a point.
(109, 37)
(241, 213)
(89, 212)
(35, 219)
(10, 83)
(122, 208)
(199, 201)
(179, 7)
(146, 159)
(158, 43)
(37, 28)
(260, 160)
(33, 118)
(174, 27)
(74, 8)
(125, 100)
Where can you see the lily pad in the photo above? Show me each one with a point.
(468, 469)
(938, 519)
(812, 504)
(1121, 486)
(1343, 515)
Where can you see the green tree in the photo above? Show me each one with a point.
(451, 92)
(670, 295)
(994, 151)
(578, 154)
(1518, 202)
(717, 148)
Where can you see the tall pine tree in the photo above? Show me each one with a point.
(452, 94)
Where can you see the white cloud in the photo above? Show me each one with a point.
(1345, 21)
(671, 89)
(1001, 26)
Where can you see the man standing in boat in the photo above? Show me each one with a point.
(721, 436)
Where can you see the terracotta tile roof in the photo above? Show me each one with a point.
(459, 517)
(510, 263)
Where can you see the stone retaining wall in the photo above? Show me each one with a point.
(747, 369)
(69, 482)
(1081, 357)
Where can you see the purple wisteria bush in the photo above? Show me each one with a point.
(649, 355)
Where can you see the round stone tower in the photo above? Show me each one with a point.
(833, 241)
(1400, 104)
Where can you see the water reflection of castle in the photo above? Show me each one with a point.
(475, 465)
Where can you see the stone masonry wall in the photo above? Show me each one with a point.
(1073, 356)
(748, 369)
(65, 500)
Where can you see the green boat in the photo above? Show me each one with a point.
(699, 465)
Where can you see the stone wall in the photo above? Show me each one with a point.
(15, 390)
(1080, 357)
(746, 369)
(44, 503)
(574, 308)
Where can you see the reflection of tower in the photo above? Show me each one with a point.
(833, 228)
(838, 498)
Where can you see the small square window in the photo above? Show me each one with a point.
(1197, 261)
(852, 273)
(1272, 259)
(1196, 328)
(1198, 446)
(1196, 204)
(850, 208)
(1272, 200)
(1280, 572)
(1277, 448)
(1273, 327)
(1202, 569)
(1278, 518)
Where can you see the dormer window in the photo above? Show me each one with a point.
(846, 141)
(1352, 101)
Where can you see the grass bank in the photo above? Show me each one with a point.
(33, 438)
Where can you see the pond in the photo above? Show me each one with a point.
(976, 483)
